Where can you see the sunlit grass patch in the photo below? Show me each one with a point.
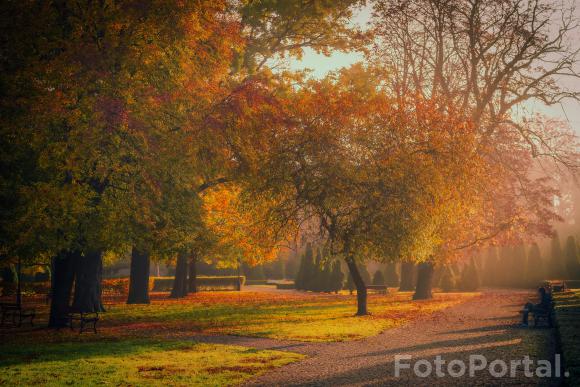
(292, 316)
(136, 363)
(304, 318)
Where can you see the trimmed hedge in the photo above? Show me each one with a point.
(567, 316)
(257, 282)
(285, 285)
(165, 284)
(572, 284)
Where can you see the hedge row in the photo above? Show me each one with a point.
(567, 316)
(257, 282)
(285, 285)
(120, 286)
(164, 284)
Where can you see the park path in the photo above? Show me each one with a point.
(487, 325)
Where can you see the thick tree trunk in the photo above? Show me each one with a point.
(424, 281)
(89, 273)
(63, 274)
(361, 289)
(139, 277)
(192, 280)
(180, 282)
(407, 277)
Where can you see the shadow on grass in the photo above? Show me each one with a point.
(62, 352)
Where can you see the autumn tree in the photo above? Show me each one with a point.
(488, 59)
(370, 170)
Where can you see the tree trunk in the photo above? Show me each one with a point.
(63, 275)
(424, 281)
(407, 277)
(89, 273)
(180, 282)
(361, 289)
(139, 277)
(193, 274)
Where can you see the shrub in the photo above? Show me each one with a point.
(491, 268)
(391, 275)
(305, 272)
(378, 278)
(336, 277)
(447, 282)
(285, 285)
(556, 269)
(256, 282)
(534, 269)
(164, 284)
(572, 258)
(117, 285)
(469, 281)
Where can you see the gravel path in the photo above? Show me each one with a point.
(486, 325)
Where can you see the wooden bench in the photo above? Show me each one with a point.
(543, 315)
(381, 289)
(15, 311)
(84, 318)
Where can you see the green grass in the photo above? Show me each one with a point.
(136, 363)
(146, 344)
(295, 318)
(567, 311)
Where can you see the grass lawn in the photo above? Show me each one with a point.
(567, 310)
(145, 344)
(135, 363)
(293, 316)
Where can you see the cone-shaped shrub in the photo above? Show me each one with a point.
(391, 275)
(469, 281)
(534, 269)
(557, 266)
(491, 268)
(378, 278)
(447, 282)
(572, 265)
(336, 277)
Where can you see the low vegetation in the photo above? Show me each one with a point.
(305, 317)
(135, 363)
(567, 312)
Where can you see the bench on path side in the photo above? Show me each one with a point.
(381, 289)
(16, 311)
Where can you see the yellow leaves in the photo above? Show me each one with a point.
(241, 227)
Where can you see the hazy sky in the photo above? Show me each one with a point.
(320, 65)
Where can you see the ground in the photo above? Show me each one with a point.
(278, 338)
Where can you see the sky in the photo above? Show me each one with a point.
(320, 65)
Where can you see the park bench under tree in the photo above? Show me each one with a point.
(16, 313)
(85, 319)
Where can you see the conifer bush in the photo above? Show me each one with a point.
(378, 278)
(469, 281)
